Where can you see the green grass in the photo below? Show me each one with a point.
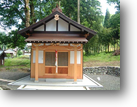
(24, 62)
(19, 61)
(102, 57)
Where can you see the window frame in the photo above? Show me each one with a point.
(67, 58)
(46, 58)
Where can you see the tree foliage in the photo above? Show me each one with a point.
(107, 17)
(23, 13)
(117, 2)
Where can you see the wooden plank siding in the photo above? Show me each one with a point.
(63, 71)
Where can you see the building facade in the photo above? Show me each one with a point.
(57, 46)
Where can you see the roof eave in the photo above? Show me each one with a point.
(23, 31)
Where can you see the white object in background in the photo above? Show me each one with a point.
(40, 56)
(62, 25)
(40, 59)
(51, 25)
(71, 57)
(34, 54)
(73, 28)
(78, 57)
(98, 78)
(56, 61)
(2, 62)
(41, 28)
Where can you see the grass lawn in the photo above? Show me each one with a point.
(21, 63)
(101, 59)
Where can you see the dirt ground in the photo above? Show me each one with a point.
(98, 63)
(109, 82)
(8, 75)
(14, 69)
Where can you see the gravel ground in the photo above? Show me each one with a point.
(11, 76)
(109, 82)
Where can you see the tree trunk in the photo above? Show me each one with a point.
(78, 12)
(105, 49)
(117, 45)
(32, 15)
(108, 47)
(101, 48)
(114, 45)
(27, 13)
(86, 50)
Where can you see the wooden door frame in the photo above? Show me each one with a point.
(57, 59)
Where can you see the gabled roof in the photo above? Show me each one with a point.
(56, 39)
(9, 51)
(58, 11)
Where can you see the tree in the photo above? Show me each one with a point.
(107, 17)
(90, 15)
(106, 30)
(78, 17)
(13, 40)
(28, 12)
(25, 11)
(16, 40)
(115, 26)
(4, 40)
(117, 2)
(69, 8)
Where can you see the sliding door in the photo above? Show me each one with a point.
(62, 62)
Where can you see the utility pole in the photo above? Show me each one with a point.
(78, 17)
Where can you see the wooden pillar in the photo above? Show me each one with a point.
(36, 63)
(75, 63)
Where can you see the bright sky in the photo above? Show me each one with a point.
(104, 5)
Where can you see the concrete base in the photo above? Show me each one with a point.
(56, 80)
(36, 81)
(74, 82)
(29, 87)
(26, 81)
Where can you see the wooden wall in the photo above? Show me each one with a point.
(63, 71)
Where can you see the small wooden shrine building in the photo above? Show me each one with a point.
(57, 46)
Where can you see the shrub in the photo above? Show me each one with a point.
(8, 55)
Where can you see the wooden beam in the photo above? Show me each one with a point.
(57, 25)
(75, 63)
(31, 30)
(68, 26)
(28, 34)
(86, 35)
(44, 27)
(36, 64)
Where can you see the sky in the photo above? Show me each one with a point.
(104, 5)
